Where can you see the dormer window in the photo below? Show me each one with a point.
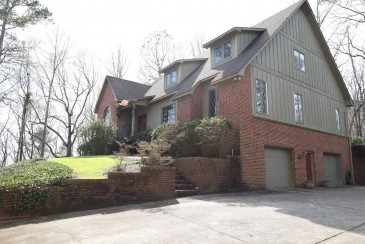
(222, 52)
(171, 78)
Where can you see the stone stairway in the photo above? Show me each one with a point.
(183, 187)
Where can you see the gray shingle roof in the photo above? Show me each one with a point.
(272, 25)
(267, 28)
(126, 89)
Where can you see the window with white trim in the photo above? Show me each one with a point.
(299, 61)
(298, 108)
(222, 52)
(171, 78)
(338, 124)
(213, 103)
(261, 96)
(169, 113)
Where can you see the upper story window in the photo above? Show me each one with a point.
(338, 125)
(261, 96)
(299, 61)
(298, 108)
(169, 114)
(107, 115)
(171, 78)
(213, 103)
(222, 52)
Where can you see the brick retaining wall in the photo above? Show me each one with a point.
(152, 183)
(211, 175)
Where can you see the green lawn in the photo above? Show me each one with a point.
(88, 167)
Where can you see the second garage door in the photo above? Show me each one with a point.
(332, 169)
(277, 166)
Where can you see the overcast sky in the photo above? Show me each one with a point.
(97, 27)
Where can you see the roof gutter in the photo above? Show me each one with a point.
(226, 78)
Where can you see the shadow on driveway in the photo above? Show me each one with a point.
(157, 206)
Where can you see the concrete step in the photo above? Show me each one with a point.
(184, 187)
(180, 177)
(180, 182)
(184, 193)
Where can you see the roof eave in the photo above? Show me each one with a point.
(230, 31)
(102, 93)
(181, 61)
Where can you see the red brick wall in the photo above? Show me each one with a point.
(211, 175)
(235, 101)
(359, 169)
(107, 98)
(190, 107)
(358, 158)
(153, 183)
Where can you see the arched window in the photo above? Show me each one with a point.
(107, 115)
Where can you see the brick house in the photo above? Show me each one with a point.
(278, 84)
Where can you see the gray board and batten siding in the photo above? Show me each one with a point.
(154, 112)
(321, 94)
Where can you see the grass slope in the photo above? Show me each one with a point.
(88, 167)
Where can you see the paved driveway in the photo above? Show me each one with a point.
(292, 216)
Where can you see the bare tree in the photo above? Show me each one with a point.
(72, 94)
(196, 46)
(158, 50)
(4, 139)
(345, 18)
(118, 65)
(17, 14)
(50, 61)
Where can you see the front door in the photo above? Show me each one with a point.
(141, 123)
(309, 166)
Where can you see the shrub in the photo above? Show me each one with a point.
(215, 136)
(210, 137)
(32, 182)
(357, 141)
(143, 136)
(181, 137)
(97, 138)
(154, 152)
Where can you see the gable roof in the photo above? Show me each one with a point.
(267, 29)
(126, 89)
(123, 89)
(271, 26)
(204, 72)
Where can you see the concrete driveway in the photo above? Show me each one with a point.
(321, 215)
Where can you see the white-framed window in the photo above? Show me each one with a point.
(338, 122)
(171, 78)
(107, 115)
(222, 52)
(169, 113)
(299, 61)
(213, 103)
(298, 108)
(261, 96)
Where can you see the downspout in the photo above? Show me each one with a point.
(133, 119)
(350, 149)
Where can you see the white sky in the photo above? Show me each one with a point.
(97, 27)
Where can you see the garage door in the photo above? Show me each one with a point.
(332, 170)
(277, 164)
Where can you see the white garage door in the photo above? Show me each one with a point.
(277, 164)
(332, 171)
